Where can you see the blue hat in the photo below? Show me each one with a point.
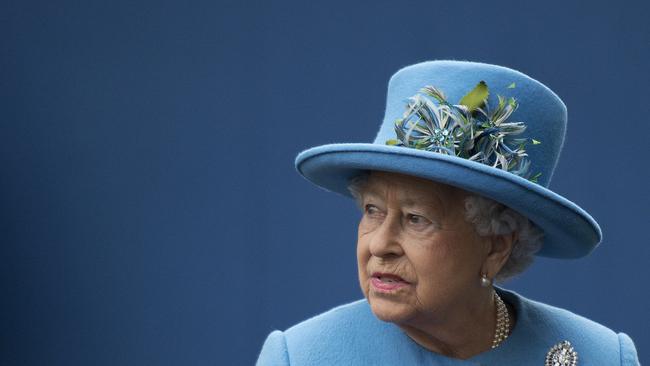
(484, 128)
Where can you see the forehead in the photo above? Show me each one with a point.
(409, 189)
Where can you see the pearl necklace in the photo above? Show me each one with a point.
(502, 329)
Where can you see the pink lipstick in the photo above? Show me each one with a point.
(387, 282)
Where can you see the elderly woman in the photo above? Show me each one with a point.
(454, 196)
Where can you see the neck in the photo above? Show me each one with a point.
(465, 330)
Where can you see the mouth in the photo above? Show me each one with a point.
(387, 283)
(388, 277)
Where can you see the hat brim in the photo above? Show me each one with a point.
(569, 231)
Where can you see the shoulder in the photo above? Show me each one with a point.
(542, 326)
(348, 334)
(352, 317)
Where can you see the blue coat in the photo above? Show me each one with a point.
(350, 334)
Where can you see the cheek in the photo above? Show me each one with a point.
(363, 245)
(443, 267)
(430, 266)
(363, 255)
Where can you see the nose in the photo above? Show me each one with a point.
(386, 240)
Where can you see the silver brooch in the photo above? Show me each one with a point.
(562, 354)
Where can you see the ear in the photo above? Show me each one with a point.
(498, 251)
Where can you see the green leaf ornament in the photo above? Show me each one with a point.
(475, 98)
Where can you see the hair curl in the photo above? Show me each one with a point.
(489, 218)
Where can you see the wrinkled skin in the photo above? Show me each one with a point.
(415, 228)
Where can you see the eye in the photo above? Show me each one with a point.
(371, 210)
(417, 220)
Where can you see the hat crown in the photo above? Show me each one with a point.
(542, 111)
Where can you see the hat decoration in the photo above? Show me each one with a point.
(469, 129)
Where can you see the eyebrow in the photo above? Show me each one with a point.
(430, 201)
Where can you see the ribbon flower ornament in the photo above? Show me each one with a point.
(468, 130)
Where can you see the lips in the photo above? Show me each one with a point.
(387, 283)
(388, 277)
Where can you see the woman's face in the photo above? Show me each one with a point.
(415, 229)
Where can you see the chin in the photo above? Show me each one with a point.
(390, 311)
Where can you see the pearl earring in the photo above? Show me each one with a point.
(485, 281)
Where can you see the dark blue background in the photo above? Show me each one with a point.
(149, 209)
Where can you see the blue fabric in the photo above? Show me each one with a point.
(570, 232)
(351, 335)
